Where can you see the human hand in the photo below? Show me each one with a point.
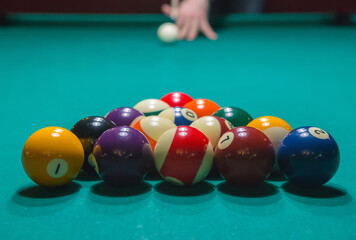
(192, 18)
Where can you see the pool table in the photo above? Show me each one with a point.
(56, 70)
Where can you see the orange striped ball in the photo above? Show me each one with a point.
(153, 127)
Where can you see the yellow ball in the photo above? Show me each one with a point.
(274, 128)
(52, 156)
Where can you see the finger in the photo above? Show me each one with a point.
(174, 9)
(174, 13)
(166, 9)
(193, 29)
(208, 31)
(179, 22)
(184, 30)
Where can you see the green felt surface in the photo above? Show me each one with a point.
(301, 69)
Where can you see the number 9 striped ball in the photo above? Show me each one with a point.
(183, 156)
(179, 115)
(275, 129)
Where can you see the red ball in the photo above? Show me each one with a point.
(244, 156)
(183, 155)
(176, 99)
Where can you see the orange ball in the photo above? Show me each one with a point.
(52, 156)
(202, 107)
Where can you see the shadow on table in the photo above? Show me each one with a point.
(110, 200)
(214, 174)
(326, 195)
(104, 189)
(184, 200)
(31, 201)
(262, 190)
(88, 176)
(198, 189)
(153, 176)
(39, 192)
(276, 177)
(328, 200)
(258, 201)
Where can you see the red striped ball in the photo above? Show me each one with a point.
(183, 155)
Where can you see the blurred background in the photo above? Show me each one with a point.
(341, 9)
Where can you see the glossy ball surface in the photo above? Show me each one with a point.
(244, 156)
(52, 156)
(124, 116)
(88, 130)
(202, 107)
(309, 156)
(179, 116)
(275, 129)
(151, 107)
(237, 116)
(168, 32)
(183, 156)
(153, 127)
(122, 156)
(213, 127)
(176, 99)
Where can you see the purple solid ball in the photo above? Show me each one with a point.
(124, 116)
(122, 156)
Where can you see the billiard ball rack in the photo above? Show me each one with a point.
(181, 139)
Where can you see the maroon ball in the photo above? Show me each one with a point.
(244, 156)
(124, 116)
(122, 156)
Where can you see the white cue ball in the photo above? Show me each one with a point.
(168, 32)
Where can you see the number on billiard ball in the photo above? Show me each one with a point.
(213, 127)
(244, 156)
(179, 115)
(309, 156)
(52, 156)
(202, 107)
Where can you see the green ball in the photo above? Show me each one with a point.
(235, 115)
